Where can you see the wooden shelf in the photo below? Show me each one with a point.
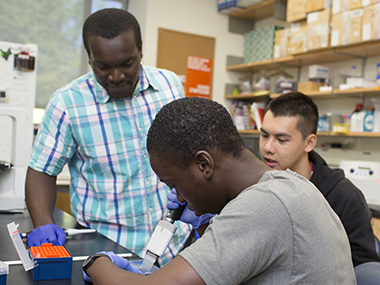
(336, 93)
(248, 96)
(369, 91)
(349, 134)
(249, 132)
(364, 49)
(256, 12)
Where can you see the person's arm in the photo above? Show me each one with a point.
(40, 193)
(177, 271)
(40, 196)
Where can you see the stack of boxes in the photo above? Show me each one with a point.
(297, 38)
(346, 22)
(317, 24)
(318, 29)
(309, 29)
(371, 20)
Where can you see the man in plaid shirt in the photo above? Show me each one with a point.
(98, 124)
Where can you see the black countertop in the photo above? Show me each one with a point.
(77, 245)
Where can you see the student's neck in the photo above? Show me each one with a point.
(243, 174)
(303, 167)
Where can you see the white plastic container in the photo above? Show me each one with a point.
(376, 115)
(4, 270)
(368, 121)
(357, 119)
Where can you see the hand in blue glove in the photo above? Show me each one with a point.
(187, 216)
(49, 233)
(118, 261)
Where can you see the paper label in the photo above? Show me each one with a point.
(276, 53)
(336, 6)
(366, 32)
(335, 38)
(365, 3)
(312, 17)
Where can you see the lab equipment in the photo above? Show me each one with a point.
(17, 100)
(69, 232)
(53, 262)
(357, 119)
(366, 176)
(4, 270)
(27, 260)
(12, 175)
(376, 114)
(160, 238)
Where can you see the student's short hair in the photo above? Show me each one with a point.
(187, 125)
(299, 105)
(110, 23)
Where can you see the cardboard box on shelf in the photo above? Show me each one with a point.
(259, 44)
(297, 37)
(281, 43)
(317, 5)
(358, 82)
(309, 86)
(371, 22)
(369, 2)
(339, 6)
(318, 29)
(347, 27)
(318, 72)
(295, 10)
(354, 4)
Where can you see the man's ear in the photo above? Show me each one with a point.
(205, 163)
(311, 141)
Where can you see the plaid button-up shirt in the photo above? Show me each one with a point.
(113, 188)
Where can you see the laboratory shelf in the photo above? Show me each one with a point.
(369, 91)
(257, 11)
(330, 54)
(348, 134)
(336, 93)
(248, 96)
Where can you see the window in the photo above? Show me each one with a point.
(56, 27)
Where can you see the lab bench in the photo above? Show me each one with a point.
(77, 245)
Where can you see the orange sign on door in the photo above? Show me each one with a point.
(198, 77)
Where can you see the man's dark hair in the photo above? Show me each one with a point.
(298, 105)
(110, 23)
(185, 126)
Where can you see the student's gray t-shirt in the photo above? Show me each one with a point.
(278, 231)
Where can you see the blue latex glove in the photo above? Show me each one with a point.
(49, 233)
(118, 261)
(187, 216)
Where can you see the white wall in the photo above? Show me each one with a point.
(199, 17)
